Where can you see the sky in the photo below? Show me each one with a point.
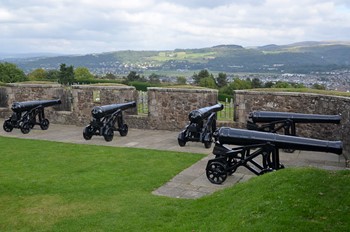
(91, 26)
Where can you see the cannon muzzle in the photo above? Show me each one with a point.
(203, 113)
(101, 111)
(28, 105)
(270, 116)
(233, 136)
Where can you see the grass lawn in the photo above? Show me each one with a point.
(49, 186)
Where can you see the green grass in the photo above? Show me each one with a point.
(49, 186)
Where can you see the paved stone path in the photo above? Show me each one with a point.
(192, 182)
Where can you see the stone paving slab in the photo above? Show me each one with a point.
(192, 182)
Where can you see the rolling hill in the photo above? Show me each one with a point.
(302, 57)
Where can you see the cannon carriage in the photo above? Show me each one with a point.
(104, 121)
(202, 125)
(258, 151)
(28, 114)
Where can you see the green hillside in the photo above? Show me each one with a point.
(303, 57)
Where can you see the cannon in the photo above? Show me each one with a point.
(201, 126)
(275, 121)
(258, 151)
(104, 120)
(28, 114)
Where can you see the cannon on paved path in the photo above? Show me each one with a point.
(275, 121)
(201, 127)
(104, 120)
(258, 151)
(28, 114)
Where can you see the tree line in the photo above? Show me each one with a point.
(68, 75)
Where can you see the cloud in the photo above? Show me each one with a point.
(87, 26)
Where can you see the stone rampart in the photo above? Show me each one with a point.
(307, 103)
(168, 108)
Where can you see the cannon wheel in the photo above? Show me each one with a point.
(216, 172)
(108, 134)
(181, 142)
(8, 127)
(25, 127)
(207, 144)
(44, 124)
(88, 132)
(123, 131)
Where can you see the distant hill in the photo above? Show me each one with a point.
(302, 57)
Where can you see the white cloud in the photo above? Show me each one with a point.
(86, 26)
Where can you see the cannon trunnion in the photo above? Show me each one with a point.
(201, 127)
(104, 120)
(256, 144)
(28, 114)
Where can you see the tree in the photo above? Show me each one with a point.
(53, 74)
(221, 80)
(133, 76)
(11, 73)
(208, 82)
(202, 74)
(256, 83)
(110, 76)
(281, 84)
(82, 73)
(318, 86)
(37, 74)
(181, 80)
(154, 78)
(66, 74)
(240, 84)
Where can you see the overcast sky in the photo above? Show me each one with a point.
(92, 26)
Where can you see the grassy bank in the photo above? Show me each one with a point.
(48, 186)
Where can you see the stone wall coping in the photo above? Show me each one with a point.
(287, 94)
(35, 85)
(118, 87)
(163, 89)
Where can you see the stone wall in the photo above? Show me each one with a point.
(169, 107)
(77, 101)
(247, 101)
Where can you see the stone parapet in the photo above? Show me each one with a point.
(169, 107)
(307, 103)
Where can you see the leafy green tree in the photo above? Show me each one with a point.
(154, 78)
(53, 74)
(202, 74)
(282, 84)
(269, 84)
(37, 74)
(208, 82)
(133, 76)
(66, 75)
(318, 86)
(298, 85)
(11, 73)
(110, 76)
(181, 80)
(83, 73)
(240, 84)
(221, 80)
(256, 83)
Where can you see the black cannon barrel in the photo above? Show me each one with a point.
(101, 111)
(270, 116)
(28, 105)
(233, 136)
(202, 113)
